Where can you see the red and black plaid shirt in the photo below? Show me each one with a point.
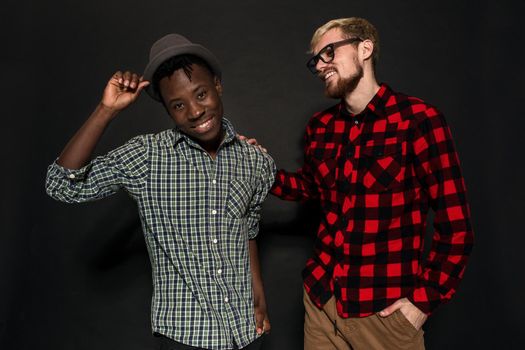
(376, 175)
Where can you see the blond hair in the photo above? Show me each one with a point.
(351, 27)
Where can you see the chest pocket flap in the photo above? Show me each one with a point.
(381, 166)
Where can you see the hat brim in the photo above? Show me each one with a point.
(161, 57)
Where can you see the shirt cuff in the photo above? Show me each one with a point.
(71, 174)
(426, 299)
(252, 234)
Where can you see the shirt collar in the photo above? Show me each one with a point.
(227, 127)
(374, 109)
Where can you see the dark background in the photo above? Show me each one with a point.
(78, 276)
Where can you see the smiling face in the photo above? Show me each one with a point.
(195, 105)
(341, 75)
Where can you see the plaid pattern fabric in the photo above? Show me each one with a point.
(376, 174)
(197, 216)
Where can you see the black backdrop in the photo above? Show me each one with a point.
(78, 276)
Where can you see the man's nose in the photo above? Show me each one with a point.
(320, 65)
(196, 111)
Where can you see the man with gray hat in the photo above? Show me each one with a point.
(199, 192)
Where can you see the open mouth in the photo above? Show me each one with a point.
(328, 75)
(205, 126)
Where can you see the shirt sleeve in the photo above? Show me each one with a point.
(124, 167)
(266, 177)
(437, 168)
(298, 186)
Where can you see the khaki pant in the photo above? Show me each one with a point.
(326, 330)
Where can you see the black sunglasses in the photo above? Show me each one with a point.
(327, 53)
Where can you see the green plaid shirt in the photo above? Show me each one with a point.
(197, 216)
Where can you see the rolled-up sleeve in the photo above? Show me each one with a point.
(266, 177)
(125, 167)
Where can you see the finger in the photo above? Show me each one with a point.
(263, 149)
(259, 323)
(252, 142)
(117, 77)
(139, 89)
(241, 137)
(391, 309)
(134, 81)
(126, 78)
(267, 327)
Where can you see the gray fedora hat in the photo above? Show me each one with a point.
(173, 45)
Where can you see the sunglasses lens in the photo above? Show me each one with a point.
(327, 55)
(312, 62)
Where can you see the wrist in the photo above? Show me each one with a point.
(104, 113)
(259, 300)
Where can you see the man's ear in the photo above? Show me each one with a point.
(366, 49)
(218, 85)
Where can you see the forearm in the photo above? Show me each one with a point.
(78, 150)
(258, 288)
(293, 186)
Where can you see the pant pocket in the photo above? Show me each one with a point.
(398, 327)
(405, 323)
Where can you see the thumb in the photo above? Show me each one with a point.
(391, 309)
(266, 325)
(139, 89)
(141, 86)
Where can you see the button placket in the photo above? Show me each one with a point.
(218, 269)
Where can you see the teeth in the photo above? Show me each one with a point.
(328, 75)
(204, 125)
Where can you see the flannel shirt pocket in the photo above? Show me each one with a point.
(325, 162)
(239, 198)
(381, 167)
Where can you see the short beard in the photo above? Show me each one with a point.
(346, 85)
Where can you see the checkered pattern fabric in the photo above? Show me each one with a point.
(197, 216)
(376, 174)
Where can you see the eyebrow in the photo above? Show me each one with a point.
(323, 48)
(326, 46)
(176, 98)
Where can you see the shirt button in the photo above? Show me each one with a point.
(214, 181)
(226, 299)
(71, 176)
(356, 122)
(215, 240)
(219, 271)
(214, 211)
